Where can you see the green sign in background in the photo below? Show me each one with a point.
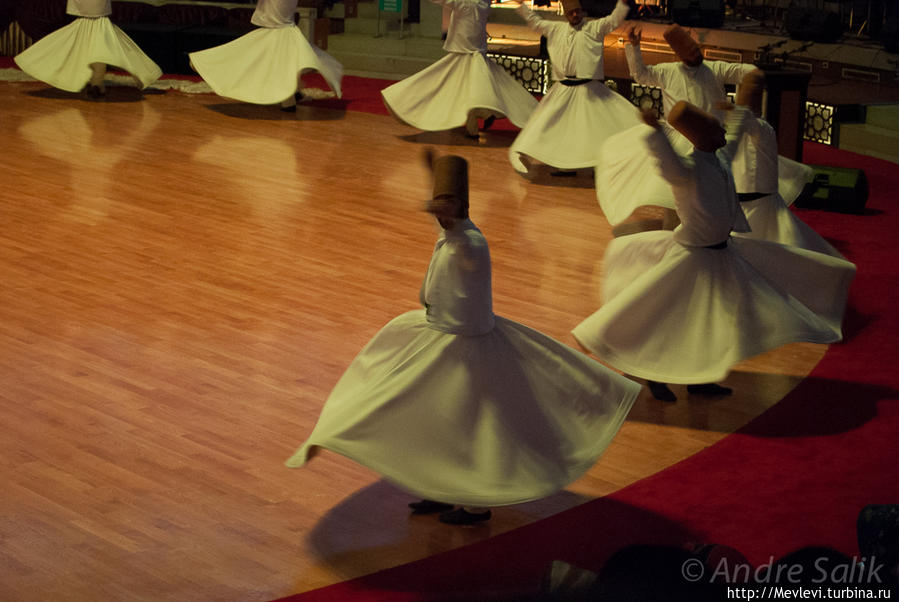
(390, 6)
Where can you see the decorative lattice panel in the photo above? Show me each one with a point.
(647, 97)
(818, 122)
(530, 71)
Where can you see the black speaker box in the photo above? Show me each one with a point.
(697, 13)
(839, 189)
(813, 25)
(877, 528)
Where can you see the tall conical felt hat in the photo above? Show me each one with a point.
(751, 91)
(568, 5)
(697, 126)
(451, 178)
(681, 42)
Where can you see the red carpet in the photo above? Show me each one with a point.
(797, 475)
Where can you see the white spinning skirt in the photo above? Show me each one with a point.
(771, 219)
(570, 124)
(499, 418)
(63, 57)
(263, 66)
(441, 96)
(686, 315)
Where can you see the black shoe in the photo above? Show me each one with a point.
(429, 507)
(461, 516)
(661, 391)
(564, 173)
(298, 97)
(709, 389)
(95, 91)
(290, 109)
(488, 122)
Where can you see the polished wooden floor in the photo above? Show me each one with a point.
(183, 279)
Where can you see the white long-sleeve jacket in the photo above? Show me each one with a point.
(456, 291)
(704, 195)
(757, 171)
(89, 8)
(702, 85)
(467, 32)
(575, 52)
(274, 13)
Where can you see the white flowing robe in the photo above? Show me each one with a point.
(441, 96)
(263, 66)
(675, 310)
(571, 122)
(455, 404)
(769, 216)
(701, 85)
(63, 57)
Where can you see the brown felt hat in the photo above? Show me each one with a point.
(682, 43)
(450, 179)
(751, 91)
(568, 5)
(698, 126)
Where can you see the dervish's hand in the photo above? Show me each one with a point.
(634, 35)
(650, 117)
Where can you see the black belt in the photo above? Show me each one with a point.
(745, 197)
(573, 81)
(717, 246)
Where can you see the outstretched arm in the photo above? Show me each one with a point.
(614, 19)
(639, 71)
(673, 168)
(736, 123)
(533, 20)
(730, 73)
